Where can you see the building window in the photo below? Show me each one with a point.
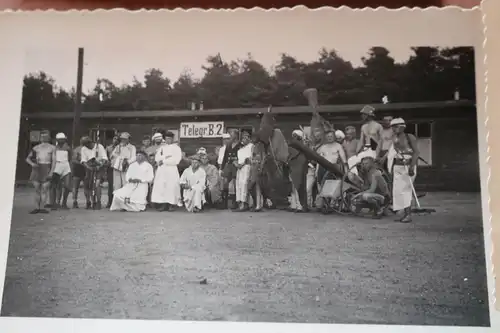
(423, 133)
(103, 135)
(241, 129)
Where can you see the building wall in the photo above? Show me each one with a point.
(452, 141)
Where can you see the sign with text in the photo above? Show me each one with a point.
(212, 129)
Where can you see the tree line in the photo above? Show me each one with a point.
(430, 74)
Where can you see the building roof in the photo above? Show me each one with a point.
(249, 111)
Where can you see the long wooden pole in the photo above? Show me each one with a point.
(78, 99)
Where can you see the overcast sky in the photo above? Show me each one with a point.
(265, 36)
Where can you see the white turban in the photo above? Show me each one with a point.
(298, 133)
(60, 136)
(397, 122)
(201, 151)
(157, 136)
(226, 136)
(339, 134)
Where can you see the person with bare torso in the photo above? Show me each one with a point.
(42, 160)
(334, 153)
(350, 142)
(371, 134)
(61, 179)
(402, 160)
(386, 141)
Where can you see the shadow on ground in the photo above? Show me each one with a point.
(271, 266)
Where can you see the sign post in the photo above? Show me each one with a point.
(209, 129)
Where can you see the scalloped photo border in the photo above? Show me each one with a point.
(15, 29)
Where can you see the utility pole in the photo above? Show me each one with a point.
(78, 99)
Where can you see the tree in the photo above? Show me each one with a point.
(40, 94)
(430, 74)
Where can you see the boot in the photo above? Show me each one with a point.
(406, 216)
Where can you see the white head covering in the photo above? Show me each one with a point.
(398, 121)
(339, 134)
(298, 133)
(60, 136)
(226, 136)
(157, 136)
(201, 151)
(124, 135)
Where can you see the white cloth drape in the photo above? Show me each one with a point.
(166, 188)
(132, 196)
(195, 196)
(243, 174)
(402, 183)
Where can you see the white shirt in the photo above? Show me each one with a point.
(98, 152)
(220, 158)
(244, 153)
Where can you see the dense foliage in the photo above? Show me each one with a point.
(430, 74)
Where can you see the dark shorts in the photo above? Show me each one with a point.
(229, 171)
(99, 174)
(78, 171)
(41, 173)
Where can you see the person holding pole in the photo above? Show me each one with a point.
(402, 160)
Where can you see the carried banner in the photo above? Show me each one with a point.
(210, 129)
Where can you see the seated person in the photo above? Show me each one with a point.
(132, 197)
(213, 186)
(192, 183)
(376, 195)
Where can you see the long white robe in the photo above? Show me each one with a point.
(243, 174)
(402, 184)
(132, 197)
(166, 188)
(118, 155)
(195, 196)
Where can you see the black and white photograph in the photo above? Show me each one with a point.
(319, 180)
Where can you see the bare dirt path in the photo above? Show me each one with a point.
(271, 266)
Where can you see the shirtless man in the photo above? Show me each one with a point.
(61, 179)
(350, 143)
(334, 153)
(42, 160)
(386, 139)
(371, 133)
(402, 160)
(78, 172)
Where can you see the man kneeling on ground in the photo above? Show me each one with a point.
(193, 184)
(376, 195)
(132, 197)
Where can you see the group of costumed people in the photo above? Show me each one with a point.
(247, 172)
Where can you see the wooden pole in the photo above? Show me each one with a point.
(78, 99)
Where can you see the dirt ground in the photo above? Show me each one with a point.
(271, 266)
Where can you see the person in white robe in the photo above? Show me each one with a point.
(132, 197)
(193, 184)
(166, 189)
(402, 159)
(121, 157)
(244, 157)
